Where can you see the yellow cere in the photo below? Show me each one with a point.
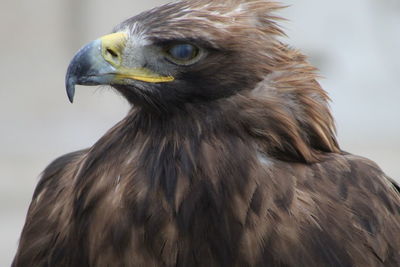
(112, 49)
(112, 46)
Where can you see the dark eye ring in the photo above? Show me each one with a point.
(183, 54)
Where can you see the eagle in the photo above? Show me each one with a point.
(227, 157)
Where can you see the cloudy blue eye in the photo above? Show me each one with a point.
(182, 53)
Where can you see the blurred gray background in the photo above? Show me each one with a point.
(354, 43)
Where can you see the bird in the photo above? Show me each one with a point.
(227, 157)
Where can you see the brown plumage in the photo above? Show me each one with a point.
(233, 163)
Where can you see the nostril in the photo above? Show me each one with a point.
(112, 53)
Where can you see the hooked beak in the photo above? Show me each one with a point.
(100, 62)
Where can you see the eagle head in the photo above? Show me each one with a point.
(182, 52)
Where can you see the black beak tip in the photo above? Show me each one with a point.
(70, 86)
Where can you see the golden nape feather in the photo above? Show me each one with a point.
(228, 156)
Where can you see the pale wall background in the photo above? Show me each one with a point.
(354, 43)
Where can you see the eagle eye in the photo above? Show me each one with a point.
(183, 54)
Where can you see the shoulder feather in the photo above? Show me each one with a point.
(45, 212)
